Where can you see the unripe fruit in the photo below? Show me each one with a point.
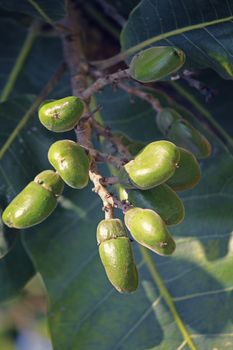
(156, 63)
(165, 118)
(71, 162)
(117, 256)
(61, 115)
(182, 133)
(188, 173)
(153, 165)
(186, 136)
(51, 181)
(161, 199)
(148, 229)
(35, 202)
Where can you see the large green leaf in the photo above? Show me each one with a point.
(221, 91)
(153, 22)
(37, 69)
(85, 312)
(36, 7)
(16, 269)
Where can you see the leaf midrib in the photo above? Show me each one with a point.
(122, 55)
(167, 297)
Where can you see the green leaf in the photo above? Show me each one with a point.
(203, 30)
(36, 71)
(221, 91)
(16, 270)
(36, 8)
(8, 237)
(124, 7)
(181, 309)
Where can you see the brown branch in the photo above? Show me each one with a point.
(113, 180)
(74, 51)
(115, 140)
(154, 102)
(74, 55)
(101, 82)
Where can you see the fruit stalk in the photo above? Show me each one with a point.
(114, 140)
(101, 82)
(154, 102)
(78, 67)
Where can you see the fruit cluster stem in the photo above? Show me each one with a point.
(111, 79)
(114, 140)
(154, 102)
(78, 67)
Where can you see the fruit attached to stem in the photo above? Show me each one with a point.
(117, 256)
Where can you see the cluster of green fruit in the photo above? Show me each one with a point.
(147, 182)
(39, 198)
(156, 172)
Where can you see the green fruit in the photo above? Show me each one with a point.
(51, 181)
(165, 118)
(117, 256)
(186, 136)
(71, 162)
(61, 115)
(148, 229)
(161, 199)
(35, 202)
(182, 133)
(156, 63)
(188, 173)
(153, 165)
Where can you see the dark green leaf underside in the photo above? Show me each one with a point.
(37, 69)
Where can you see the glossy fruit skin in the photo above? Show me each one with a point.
(180, 131)
(35, 202)
(61, 115)
(117, 256)
(148, 229)
(71, 162)
(153, 165)
(156, 63)
(162, 199)
(188, 173)
(51, 181)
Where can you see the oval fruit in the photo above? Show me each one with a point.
(161, 199)
(34, 203)
(165, 118)
(148, 229)
(156, 63)
(61, 115)
(71, 162)
(186, 136)
(179, 130)
(153, 165)
(117, 256)
(188, 173)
